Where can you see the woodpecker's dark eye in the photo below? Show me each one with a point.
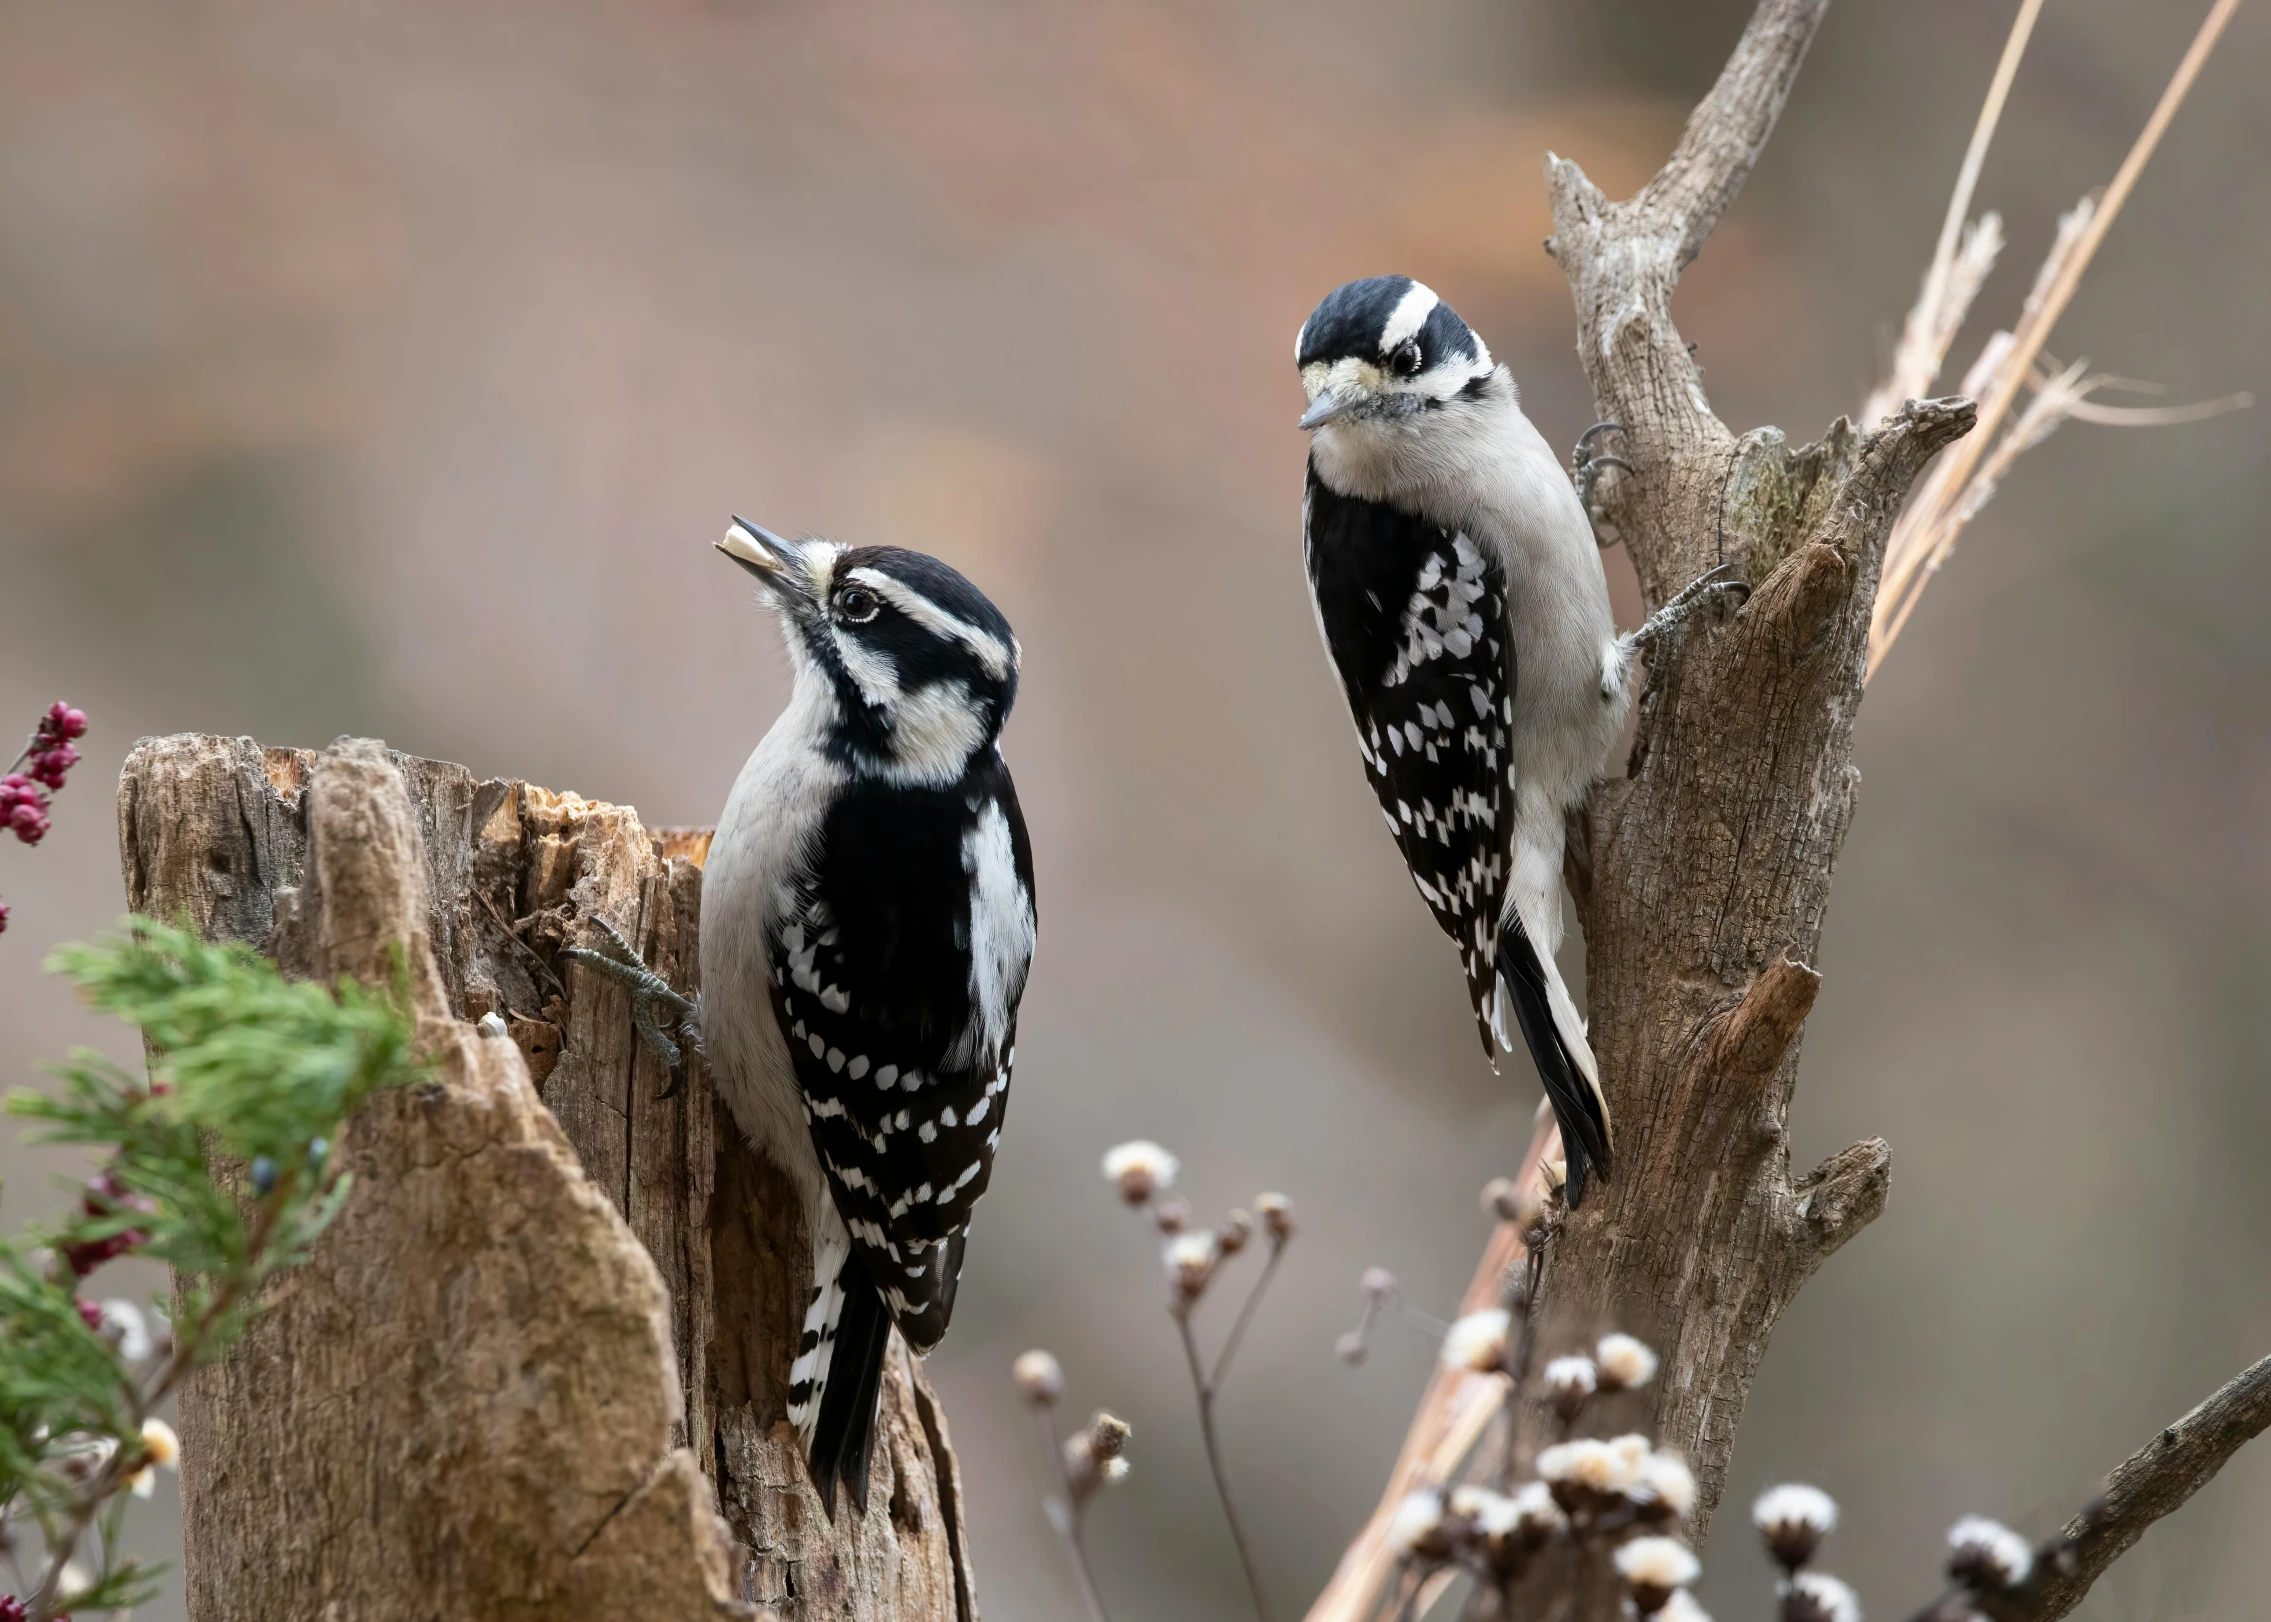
(1406, 360)
(857, 604)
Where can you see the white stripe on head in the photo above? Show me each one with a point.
(996, 658)
(1409, 315)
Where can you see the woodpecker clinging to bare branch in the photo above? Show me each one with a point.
(1461, 597)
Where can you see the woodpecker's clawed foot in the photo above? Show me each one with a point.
(664, 1016)
(1718, 583)
(1585, 468)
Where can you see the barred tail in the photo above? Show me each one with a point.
(850, 1390)
(1530, 984)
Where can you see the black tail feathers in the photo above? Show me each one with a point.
(1576, 1099)
(843, 1436)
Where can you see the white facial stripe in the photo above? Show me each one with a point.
(934, 732)
(923, 611)
(1298, 339)
(1409, 315)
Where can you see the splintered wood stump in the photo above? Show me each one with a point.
(539, 1365)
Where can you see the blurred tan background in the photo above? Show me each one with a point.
(389, 368)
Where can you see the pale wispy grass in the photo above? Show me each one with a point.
(2021, 403)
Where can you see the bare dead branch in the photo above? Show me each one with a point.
(2154, 1481)
(1728, 129)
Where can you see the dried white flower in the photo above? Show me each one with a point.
(71, 1582)
(1987, 1555)
(1681, 1607)
(1535, 1511)
(1140, 1168)
(1794, 1519)
(1586, 1466)
(1276, 1212)
(1093, 1457)
(1631, 1450)
(1625, 1363)
(1350, 1348)
(1171, 1216)
(160, 1442)
(1236, 1229)
(1478, 1341)
(123, 1321)
(1815, 1596)
(1657, 1563)
(1666, 1481)
(491, 1025)
(1570, 1382)
(1040, 1378)
(1417, 1530)
(1189, 1259)
(1377, 1284)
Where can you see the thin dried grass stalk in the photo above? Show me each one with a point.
(1967, 476)
(1957, 268)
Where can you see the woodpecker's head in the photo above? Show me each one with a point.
(1384, 357)
(911, 669)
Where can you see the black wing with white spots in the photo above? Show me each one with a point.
(1414, 618)
(898, 966)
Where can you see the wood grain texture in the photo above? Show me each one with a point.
(539, 1366)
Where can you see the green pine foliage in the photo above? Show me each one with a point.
(216, 1163)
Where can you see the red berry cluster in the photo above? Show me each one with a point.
(46, 761)
(12, 1609)
(104, 1196)
(49, 758)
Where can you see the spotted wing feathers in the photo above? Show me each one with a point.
(1414, 618)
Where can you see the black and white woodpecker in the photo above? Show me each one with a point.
(1461, 597)
(867, 924)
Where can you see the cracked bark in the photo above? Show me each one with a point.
(539, 1366)
(1702, 874)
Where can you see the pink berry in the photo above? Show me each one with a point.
(74, 723)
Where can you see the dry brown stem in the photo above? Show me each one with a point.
(538, 1367)
(2154, 1481)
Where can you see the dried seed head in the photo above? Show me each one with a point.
(1681, 1607)
(1420, 1528)
(1536, 1516)
(1276, 1212)
(1190, 1259)
(1653, 1567)
(1586, 1475)
(1236, 1229)
(1793, 1519)
(160, 1442)
(1625, 1363)
(1666, 1488)
(1478, 1341)
(1986, 1556)
(1378, 1285)
(1815, 1596)
(1140, 1169)
(1040, 1378)
(1569, 1384)
(1350, 1348)
(1093, 1456)
(1172, 1216)
(1503, 1198)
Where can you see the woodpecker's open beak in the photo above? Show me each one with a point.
(778, 564)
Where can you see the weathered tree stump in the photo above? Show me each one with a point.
(539, 1366)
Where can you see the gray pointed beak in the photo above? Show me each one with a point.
(778, 564)
(1330, 406)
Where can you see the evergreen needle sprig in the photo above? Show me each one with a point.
(217, 1163)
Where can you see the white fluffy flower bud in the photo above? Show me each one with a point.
(1987, 1556)
(1140, 1169)
(1625, 1363)
(1478, 1341)
(1794, 1519)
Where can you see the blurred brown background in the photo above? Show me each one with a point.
(389, 368)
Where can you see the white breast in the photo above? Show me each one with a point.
(763, 844)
